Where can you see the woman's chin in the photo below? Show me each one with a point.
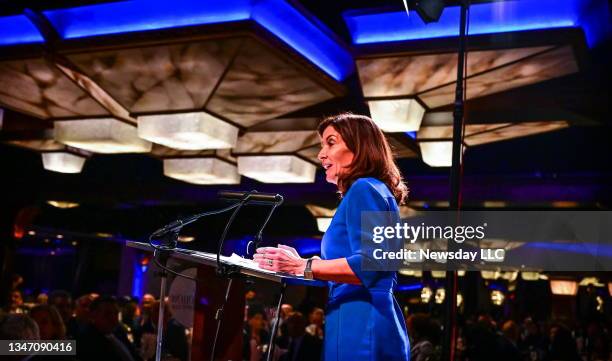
(331, 179)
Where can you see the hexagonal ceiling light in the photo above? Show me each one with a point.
(102, 135)
(271, 157)
(201, 170)
(234, 74)
(188, 131)
(63, 162)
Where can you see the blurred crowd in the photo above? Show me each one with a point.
(482, 338)
(104, 327)
(125, 329)
(299, 335)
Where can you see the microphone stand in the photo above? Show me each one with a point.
(169, 236)
(163, 256)
(232, 271)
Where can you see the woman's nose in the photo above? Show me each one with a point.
(321, 155)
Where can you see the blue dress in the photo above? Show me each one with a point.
(363, 322)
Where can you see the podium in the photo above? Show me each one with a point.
(213, 293)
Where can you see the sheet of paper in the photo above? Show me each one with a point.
(245, 263)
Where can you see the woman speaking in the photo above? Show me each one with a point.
(364, 321)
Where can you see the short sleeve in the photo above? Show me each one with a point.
(363, 197)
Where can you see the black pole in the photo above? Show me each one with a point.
(219, 318)
(271, 342)
(450, 323)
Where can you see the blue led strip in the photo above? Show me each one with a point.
(18, 29)
(281, 19)
(139, 15)
(408, 287)
(277, 16)
(593, 249)
(486, 18)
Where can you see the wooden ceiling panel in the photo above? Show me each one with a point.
(260, 85)
(412, 74)
(33, 86)
(160, 78)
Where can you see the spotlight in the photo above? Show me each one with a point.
(429, 10)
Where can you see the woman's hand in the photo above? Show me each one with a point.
(283, 259)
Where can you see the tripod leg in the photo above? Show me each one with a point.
(276, 321)
(219, 318)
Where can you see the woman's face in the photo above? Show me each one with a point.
(335, 156)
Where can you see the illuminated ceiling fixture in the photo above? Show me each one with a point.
(188, 131)
(530, 276)
(563, 287)
(459, 299)
(323, 224)
(591, 281)
(437, 154)
(497, 297)
(62, 204)
(322, 215)
(610, 288)
(510, 276)
(400, 115)
(63, 162)
(494, 204)
(438, 274)
(410, 272)
(490, 275)
(436, 133)
(101, 135)
(201, 170)
(426, 294)
(276, 168)
(440, 294)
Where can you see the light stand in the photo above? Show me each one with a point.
(171, 240)
(450, 323)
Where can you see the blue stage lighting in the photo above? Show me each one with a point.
(277, 16)
(486, 18)
(18, 29)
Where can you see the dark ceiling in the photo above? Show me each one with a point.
(572, 164)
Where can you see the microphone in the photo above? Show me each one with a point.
(253, 197)
(172, 227)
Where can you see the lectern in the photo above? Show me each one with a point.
(215, 300)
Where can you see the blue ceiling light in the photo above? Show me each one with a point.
(17, 29)
(139, 15)
(486, 18)
(408, 287)
(308, 39)
(593, 249)
(277, 16)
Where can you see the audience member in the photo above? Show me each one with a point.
(316, 319)
(99, 340)
(49, 321)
